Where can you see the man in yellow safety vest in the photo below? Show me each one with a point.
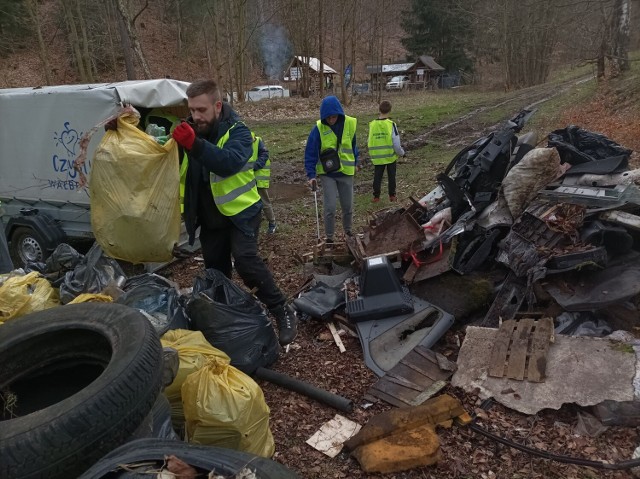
(222, 199)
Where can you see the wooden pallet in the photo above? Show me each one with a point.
(520, 349)
(324, 252)
(417, 377)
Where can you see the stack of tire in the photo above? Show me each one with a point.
(76, 382)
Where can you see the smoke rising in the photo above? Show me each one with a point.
(276, 50)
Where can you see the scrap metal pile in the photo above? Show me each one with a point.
(560, 221)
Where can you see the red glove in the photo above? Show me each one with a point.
(184, 135)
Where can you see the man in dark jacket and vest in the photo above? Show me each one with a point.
(222, 199)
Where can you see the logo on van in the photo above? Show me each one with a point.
(67, 142)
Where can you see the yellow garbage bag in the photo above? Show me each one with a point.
(224, 407)
(134, 185)
(194, 351)
(91, 298)
(20, 295)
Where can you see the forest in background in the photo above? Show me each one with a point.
(510, 43)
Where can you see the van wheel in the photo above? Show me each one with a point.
(27, 246)
(76, 381)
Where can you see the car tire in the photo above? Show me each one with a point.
(26, 246)
(151, 453)
(83, 376)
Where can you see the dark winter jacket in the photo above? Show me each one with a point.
(206, 157)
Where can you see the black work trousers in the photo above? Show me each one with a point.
(219, 244)
(377, 179)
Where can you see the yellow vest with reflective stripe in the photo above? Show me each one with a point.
(235, 193)
(262, 175)
(328, 139)
(381, 142)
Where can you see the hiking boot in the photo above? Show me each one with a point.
(392, 198)
(375, 200)
(272, 228)
(287, 323)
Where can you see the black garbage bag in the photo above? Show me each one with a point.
(91, 275)
(63, 259)
(233, 321)
(158, 298)
(577, 146)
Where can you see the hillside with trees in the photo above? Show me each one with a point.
(512, 44)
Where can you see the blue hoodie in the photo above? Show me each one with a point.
(329, 106)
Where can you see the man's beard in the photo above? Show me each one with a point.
(205, 127)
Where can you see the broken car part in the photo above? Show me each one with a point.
(593, 290)
(320, 301)
(387, 340)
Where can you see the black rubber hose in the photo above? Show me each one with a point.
(616, 466)
(326, 397)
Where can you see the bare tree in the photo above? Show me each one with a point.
(32, 10)
(620, 30)
(130, 38)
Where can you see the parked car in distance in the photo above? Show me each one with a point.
(266, 91)
(398, 83)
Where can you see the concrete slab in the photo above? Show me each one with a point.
(580, 370)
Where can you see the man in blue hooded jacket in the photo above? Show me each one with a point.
(332, 154)
(221, 197)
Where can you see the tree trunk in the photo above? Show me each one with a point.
(75, 41)
(620, 29)
(86, 56)
(133, 38)
(32, 9)
(126, 47)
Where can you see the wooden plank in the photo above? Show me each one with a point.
(400, 381)
(519, 349)
(540, 342)
(500, 349)
(413, 380)
(386, 397)
(416, 366)
(336, 336)
(428, 393)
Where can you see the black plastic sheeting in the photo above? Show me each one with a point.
(91, 275)
(576, 146)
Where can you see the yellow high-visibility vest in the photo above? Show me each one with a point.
(235, 193)
(328, 139)
(381, 142)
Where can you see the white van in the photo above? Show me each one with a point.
(39, 187)
(266, 91)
